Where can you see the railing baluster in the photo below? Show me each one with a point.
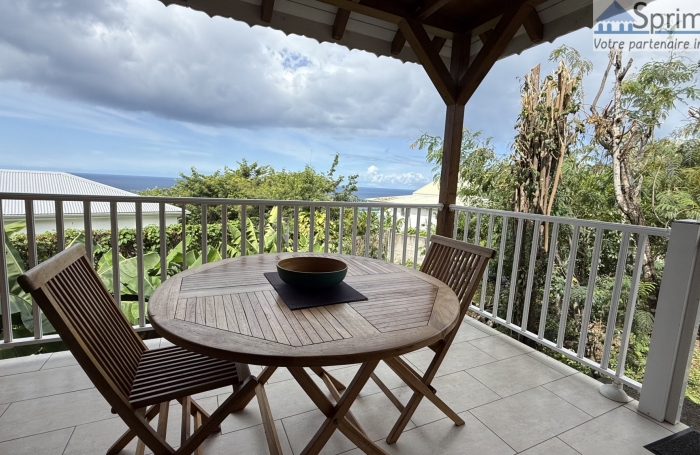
(631, 305)
(465, 237)
(244, 229)
(368, 225)
(592, 275)
(406, 219)
(114, 241)
(163, 243)
(380, 234)
(340, 230)
(261, 229)
(567, 287)
(484, 281)
(548, 280)
(456, 226)
(499, 268)
(60, 232)
(183, 236)
(477, 233)
(205, 240)
(87, 226)
(296, 228)
(139, 265)
(33, 262)
(393, 234)
(224, 231)
(4, 285)
(279, 229)
(429, 227)
(327, 233)
(415, 249)
(514, 272)
(312, 227)
(615, 299)
(353, 248)
(531, 272)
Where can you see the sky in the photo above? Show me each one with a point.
(132, 87)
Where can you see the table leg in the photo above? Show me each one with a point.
(336, 415)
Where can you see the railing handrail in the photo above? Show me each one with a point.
(207, 201)
(633, 229)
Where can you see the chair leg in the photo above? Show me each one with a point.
(204, 429)
(197, 425)
(186, 430)
(126, 438)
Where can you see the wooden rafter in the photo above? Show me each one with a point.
(341, 21)
(424, 49)
(394, 12)
(438, 43)
(534, 27)
(427, 9)
(506, 28)
(266, 10)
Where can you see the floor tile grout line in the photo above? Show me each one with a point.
(68, 441)
(574, 404)
(53, 395)
(564, 442)
(648, 418)
(286, 435)
(493, 432)
(45, 432)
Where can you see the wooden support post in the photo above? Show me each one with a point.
(452, 142)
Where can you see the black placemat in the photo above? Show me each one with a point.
(684, 442)
(298, 299)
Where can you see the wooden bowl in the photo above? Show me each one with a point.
(312, 272)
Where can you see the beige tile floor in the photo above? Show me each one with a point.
(512, 399)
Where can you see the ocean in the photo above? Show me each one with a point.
(136, 183)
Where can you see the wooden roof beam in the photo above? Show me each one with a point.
(438, 43)
(266, 10)
(423, 12)
(534, 27)
(505, 30)
(429, 7)
(341, 21)
(424, 49)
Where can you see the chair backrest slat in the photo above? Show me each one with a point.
(85, 315)
(459, 265)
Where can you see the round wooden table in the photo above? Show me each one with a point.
(228, 309)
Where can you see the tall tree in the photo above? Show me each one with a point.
(625, 127)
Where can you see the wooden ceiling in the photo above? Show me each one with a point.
(424, 31)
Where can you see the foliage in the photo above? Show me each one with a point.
(253, 181)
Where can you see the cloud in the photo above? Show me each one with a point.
(180, 64)
(373, 177)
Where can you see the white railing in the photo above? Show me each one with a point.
(387, 235)
(525, 258)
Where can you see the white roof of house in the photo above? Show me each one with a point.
(425, 195)
(42, 182)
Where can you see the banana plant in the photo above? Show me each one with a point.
(21, 308)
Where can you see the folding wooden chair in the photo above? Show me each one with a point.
(136, 381)
(461, 266)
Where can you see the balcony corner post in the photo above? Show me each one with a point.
(675, 326)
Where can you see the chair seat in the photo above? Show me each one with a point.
(171, 373)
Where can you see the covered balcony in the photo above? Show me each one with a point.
(557, 306)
